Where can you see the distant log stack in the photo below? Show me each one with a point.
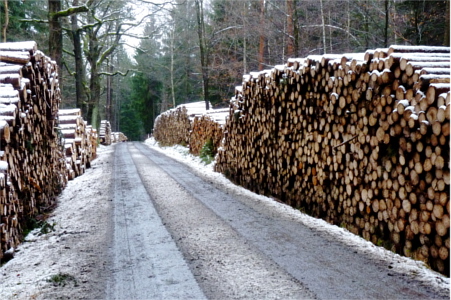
(32, 166)
(204, 128)
(105, 133)
(79, 142)
(360, 140)
(118, 137)
(173, 127)
(191, 125)
(93, 136)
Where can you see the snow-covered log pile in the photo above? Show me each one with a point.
(118, 137)
(32, 165)
(190, 124)
(105, 132)
(80, 141)
(360, 140)
(173, 127)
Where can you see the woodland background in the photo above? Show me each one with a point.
(128, 60)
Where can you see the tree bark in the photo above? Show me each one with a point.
(79, 67)
(323, 24)
(387, 14)
(261, 48)
(6, 22)
(55, 34)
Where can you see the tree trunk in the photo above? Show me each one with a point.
(203, 50)
(290, 28)
(324, 28)
(55, 34)
(79, 67)
(447, 29)
(93, 104)
(172, 66)
(387, 15)
(261, 48)
(244, 38)
(6, 22)
(109, 92)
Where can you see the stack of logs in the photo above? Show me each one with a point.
(118, 137)
(172, 127)
(105, 133)
(204, 129)
(190, 125)
(360, 140)
(80, 141)
(32, 165)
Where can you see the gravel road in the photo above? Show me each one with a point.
(140, 225)
(238, 248)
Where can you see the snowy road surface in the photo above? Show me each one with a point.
(237, 247)
(141, 225)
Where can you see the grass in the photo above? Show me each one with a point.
(61, 279)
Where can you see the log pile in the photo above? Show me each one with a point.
(204, 128)
(105, 133)
(118, 137)
(191, 125)
(80, 141)
(173, 127)
(360, 140)
(32, 165)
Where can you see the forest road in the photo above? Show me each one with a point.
(178, 236)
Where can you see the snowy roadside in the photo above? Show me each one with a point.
(399, 263)
(70, 260)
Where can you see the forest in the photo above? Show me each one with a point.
(128, 60)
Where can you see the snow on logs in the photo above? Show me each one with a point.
(80, 141)
(360, 140)
(33, 167)
(105, 133)
(173, 127)
(190, 124)
(118, 137)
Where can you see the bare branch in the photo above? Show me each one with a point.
(71, 11)
(117, 73)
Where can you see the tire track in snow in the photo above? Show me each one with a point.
(328, 267)
(146, 261)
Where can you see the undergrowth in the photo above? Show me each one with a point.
(207, 153)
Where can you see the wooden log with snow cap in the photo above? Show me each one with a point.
(357, 140)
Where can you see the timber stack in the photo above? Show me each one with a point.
(32, 165)
(360, 140)
(80, 141)
(204, 129)
(191, 125)
(173, 127)
(105, 132)
(118, 137)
